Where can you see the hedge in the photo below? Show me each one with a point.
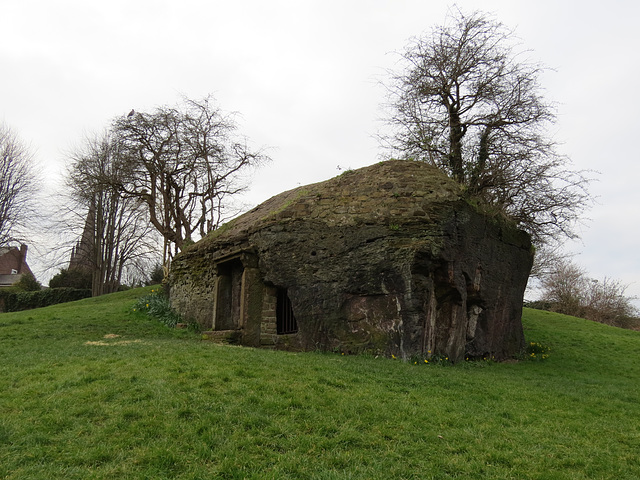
(12, 301)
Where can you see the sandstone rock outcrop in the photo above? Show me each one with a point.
(388, 259)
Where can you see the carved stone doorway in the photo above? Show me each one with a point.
(227, 315)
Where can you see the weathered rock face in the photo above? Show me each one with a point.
(388, 259)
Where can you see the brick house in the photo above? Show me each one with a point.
(13, 265)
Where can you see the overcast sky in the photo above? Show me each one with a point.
(305, 78)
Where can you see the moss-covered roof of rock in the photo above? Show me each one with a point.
(390, 192)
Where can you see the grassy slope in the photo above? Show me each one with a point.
(160, 403)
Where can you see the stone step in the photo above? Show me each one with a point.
(231, 337)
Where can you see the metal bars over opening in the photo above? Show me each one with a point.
(285, 320)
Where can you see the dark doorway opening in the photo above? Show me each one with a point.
(228, 298)
(285, 320)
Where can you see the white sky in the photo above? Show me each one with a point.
(304, 75)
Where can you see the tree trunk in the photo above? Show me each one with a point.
(456, 133)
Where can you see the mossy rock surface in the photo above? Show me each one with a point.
(392, 193)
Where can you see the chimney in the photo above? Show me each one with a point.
(22, 260)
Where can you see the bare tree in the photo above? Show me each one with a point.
(466, 104)
(18, 186)
(566, 288)
(569, 290)
(182, 163)
(547, 258)
(116, 235)
(607, 301)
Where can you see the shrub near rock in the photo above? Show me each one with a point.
(71, 278)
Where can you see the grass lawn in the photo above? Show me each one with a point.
(93, 390)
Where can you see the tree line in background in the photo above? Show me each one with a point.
(116, 234)
(136, 194)
(154, 180)
(464, 101)
(570, 290)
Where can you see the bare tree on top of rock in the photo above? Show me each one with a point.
(18, 186)
(183, 162)
(467, 103)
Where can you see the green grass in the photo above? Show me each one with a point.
(76, 402)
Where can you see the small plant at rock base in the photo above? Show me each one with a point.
(484, 360)
(441, 360)
(429, 359)
(157, 305)
(394, 227)
(536, 351)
